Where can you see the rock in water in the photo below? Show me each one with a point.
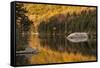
(78, 37)
(28, 50)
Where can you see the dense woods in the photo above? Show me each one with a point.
(64, 24)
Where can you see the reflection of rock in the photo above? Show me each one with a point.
(27, 50)
(61, 44)
(78, 37)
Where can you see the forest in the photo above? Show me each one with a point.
(44, 27)
(64, 24)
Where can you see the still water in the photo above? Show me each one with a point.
(57, 44)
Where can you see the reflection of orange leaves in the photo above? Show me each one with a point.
(56, 57)
(46, 55)
(49, 56)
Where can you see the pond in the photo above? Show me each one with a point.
(57, 49)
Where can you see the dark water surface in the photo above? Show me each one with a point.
(60, 44)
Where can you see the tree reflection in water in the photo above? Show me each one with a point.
(22, 60)
(61, 44)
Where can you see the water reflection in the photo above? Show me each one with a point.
(22, 60)
(61, 44)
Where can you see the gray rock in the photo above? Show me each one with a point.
(78, 37)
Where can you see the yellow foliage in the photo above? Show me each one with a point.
(42, 12)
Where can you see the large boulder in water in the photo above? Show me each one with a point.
(78, 37)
